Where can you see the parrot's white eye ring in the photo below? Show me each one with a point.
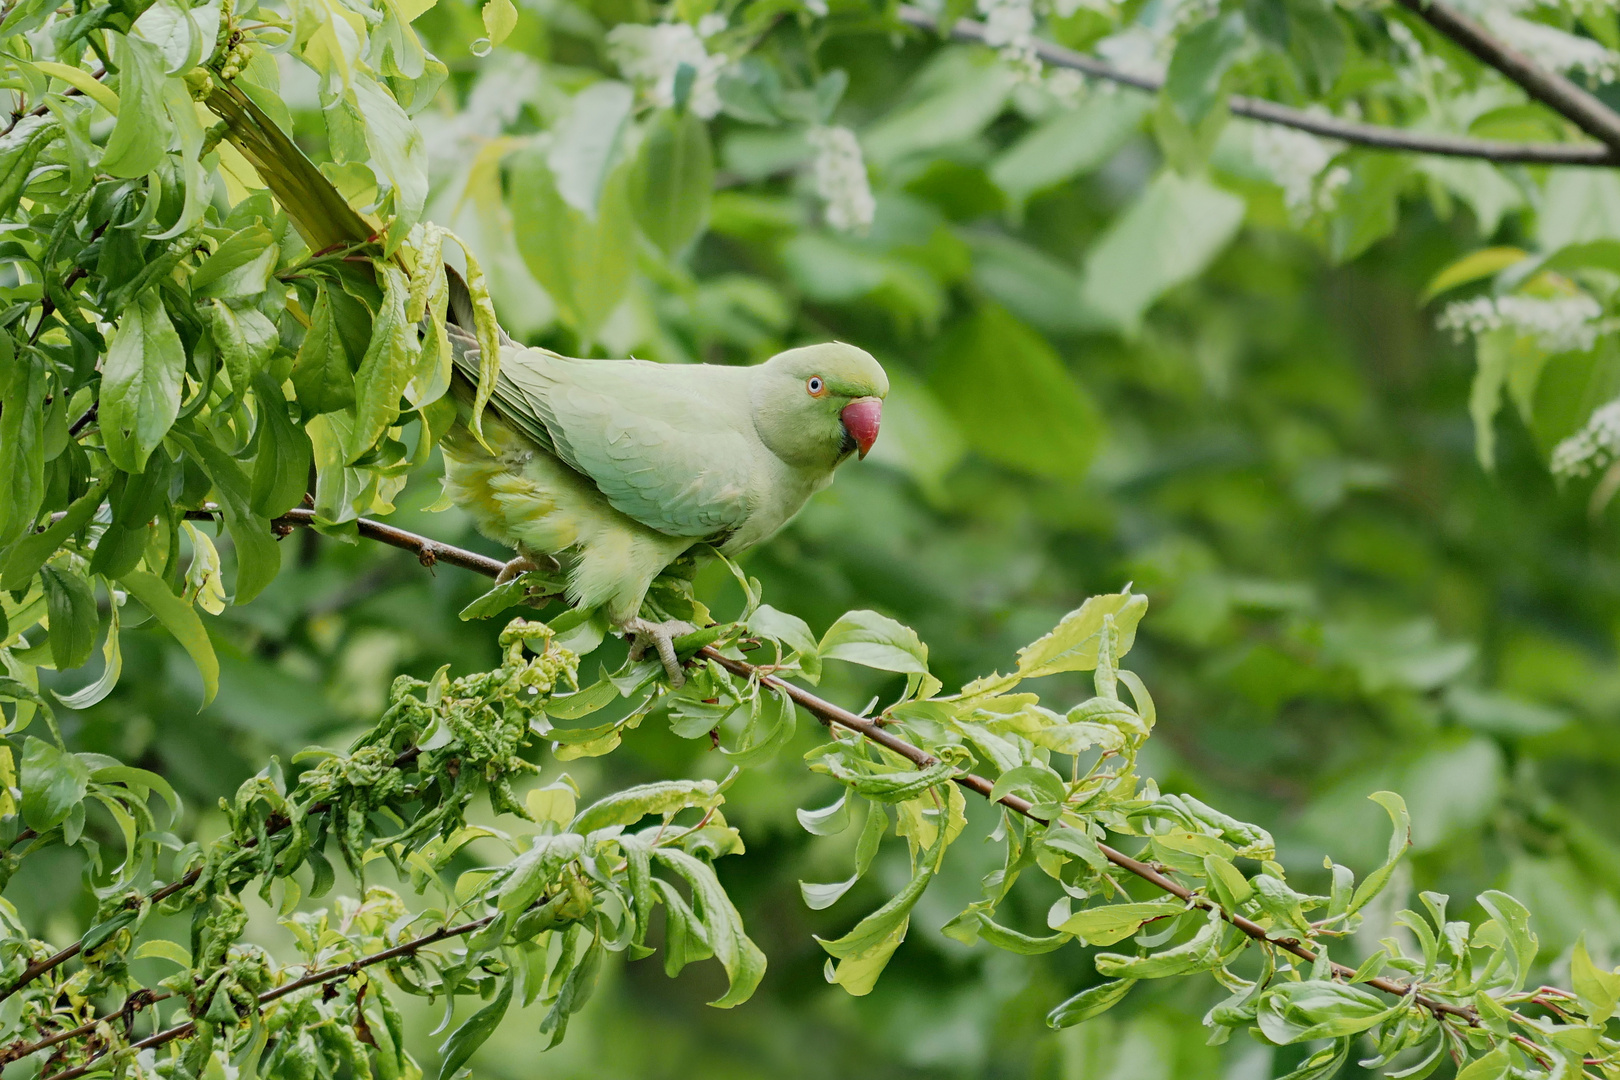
(815, 386)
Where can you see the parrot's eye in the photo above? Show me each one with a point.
(816, 386)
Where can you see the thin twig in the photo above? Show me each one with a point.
(1376, 136)
(1550, 88)
(39, 967)
(314, 978)
(430, 552)
(40, 110)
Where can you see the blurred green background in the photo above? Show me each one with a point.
(1275, 447)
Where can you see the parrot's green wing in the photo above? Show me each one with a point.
(665, 443)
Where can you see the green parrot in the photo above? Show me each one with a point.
(614, 468)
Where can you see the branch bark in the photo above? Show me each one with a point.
(1375, 136)
(1550, 88)
(431, 552)
(314, 978)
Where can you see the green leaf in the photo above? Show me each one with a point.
(511, 593)
(244, 337)
(1025, 411)
(1399, 841)
(386, 367)
(1368, 206)
(535, 868)
(1116, 922)
(1071, 142)
(1317, 42)
(281, 467)
(585, 265)
(1484, 263)
(1090, 1002)
(179, 619)
(1492, 1066)
(829, 820)
(1313, 1009)
(722, 927)
(1200, 953)
(1598, 990)
(500, 18)
(141, 135)
(141, 381)
(875, 641)
(258, 558)
(19, 150)
(113, 666)
(398, 154)
(53, 782)
(1073, 644)
(30, 553)
(632, 804)
(585, 145)
(1514, 919)
(323, 374)
(463, 1042)
(1203, 56)
(672, 180)
(22, 447)
(1168, 236)
(71, 603)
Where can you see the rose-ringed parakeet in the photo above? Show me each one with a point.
(616, 467)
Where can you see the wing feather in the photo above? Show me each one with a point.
(664, 443)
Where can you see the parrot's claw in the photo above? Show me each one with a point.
(520, 565)
(661, 636)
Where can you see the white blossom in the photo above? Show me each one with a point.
(841, 182)
(1295, 159)
(1595, 446)
(654, 55)
(710, 25)
(1554, 48)
(1565, 324)
(1009, 25)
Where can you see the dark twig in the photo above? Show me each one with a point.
(827, 713)
(1561, 95)
(1376, 136)
(41, 110)
(39, 967)
(314, 978)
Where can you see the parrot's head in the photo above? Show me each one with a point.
(816, 405)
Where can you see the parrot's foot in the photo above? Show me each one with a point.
(520, 565)
(661, 636)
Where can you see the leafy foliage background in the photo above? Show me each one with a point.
(1263, 429)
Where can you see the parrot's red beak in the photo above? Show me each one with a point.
(861, 418)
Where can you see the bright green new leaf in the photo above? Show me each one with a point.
(141, 380)
(1202, 57)
(141, 135)
(744, 963)
(1092, 1001)
(1599, 990)
(474, 1031)
(179, 619)
(53, 783)
(632, 804)
(1116, 922)
(71, 603)
(875, 641)
(1073, 643)
(1399, 841)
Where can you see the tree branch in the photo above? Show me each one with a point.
(314, 978)
(380, 532)
(1548, 87)
(1375, 136)
(431, 552)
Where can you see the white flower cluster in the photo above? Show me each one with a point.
(1595, 446)
(654, 55)
(1554, 48)
(840, 175)
(1295, 160)
(1566, 324)
(1009, 25)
